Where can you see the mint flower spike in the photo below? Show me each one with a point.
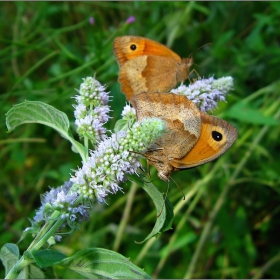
(91, 111)
(129, 113)
(63, 200)
(107, 165)
(206, 93)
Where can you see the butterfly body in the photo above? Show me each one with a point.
(148, 66)
(192, 138)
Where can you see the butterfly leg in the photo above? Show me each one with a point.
(194, 79)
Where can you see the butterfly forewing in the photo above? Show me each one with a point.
(148, 66)
(124, 50)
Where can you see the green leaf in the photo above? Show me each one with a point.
(39, 112)
(120, 125)
(102, 263)
(9, 255)
(123, 125)
(164, 207)
(34, 229)
(244, 112)
(45, 258)
(35, 272)
(31, 272)
(169, 216)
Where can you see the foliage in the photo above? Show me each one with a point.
(228, 223)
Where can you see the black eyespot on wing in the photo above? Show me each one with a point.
(133, 47)
(217, 136)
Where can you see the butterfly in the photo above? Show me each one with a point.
(192, 137)
(148, 66)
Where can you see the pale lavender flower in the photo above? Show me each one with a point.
(128, 118)
(57, 238)
(91, 128)
(206, 93)
(92, 111)
(91, 20)
(62, 199)
(91, 92)
(104, 97)
(130, 19)
(114, 157)
(101, 113)
(80, 111)
(128, 112)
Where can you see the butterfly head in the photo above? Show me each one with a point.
(183, 69)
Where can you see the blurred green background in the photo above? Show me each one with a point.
(228, 226)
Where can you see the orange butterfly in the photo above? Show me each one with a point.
(148, 66)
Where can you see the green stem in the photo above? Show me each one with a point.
(86, 149)
(41, 238)
(47, 226)
(18, 267)
(145, 250)
(49, 229)
(34, 67)
(47, 234)
(194, 189)
(270, 88)
(266, 266)
(125, 216)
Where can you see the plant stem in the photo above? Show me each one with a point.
(41, 238)
(47, 234)
(47, 226)
(125, 216)
(18, 267)
(144, 250)
(266, 266)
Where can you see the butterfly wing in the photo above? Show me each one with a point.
(216, 137)
(124, 51)
(148, 66)
(181, 116)
(147, 74)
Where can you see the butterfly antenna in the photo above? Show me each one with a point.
(150, 181)
(164, 200)
(136, 153)
(184, 197)
(142, 169)
(190, 55)
(149, 169)
(193, 70)
(204, 45)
